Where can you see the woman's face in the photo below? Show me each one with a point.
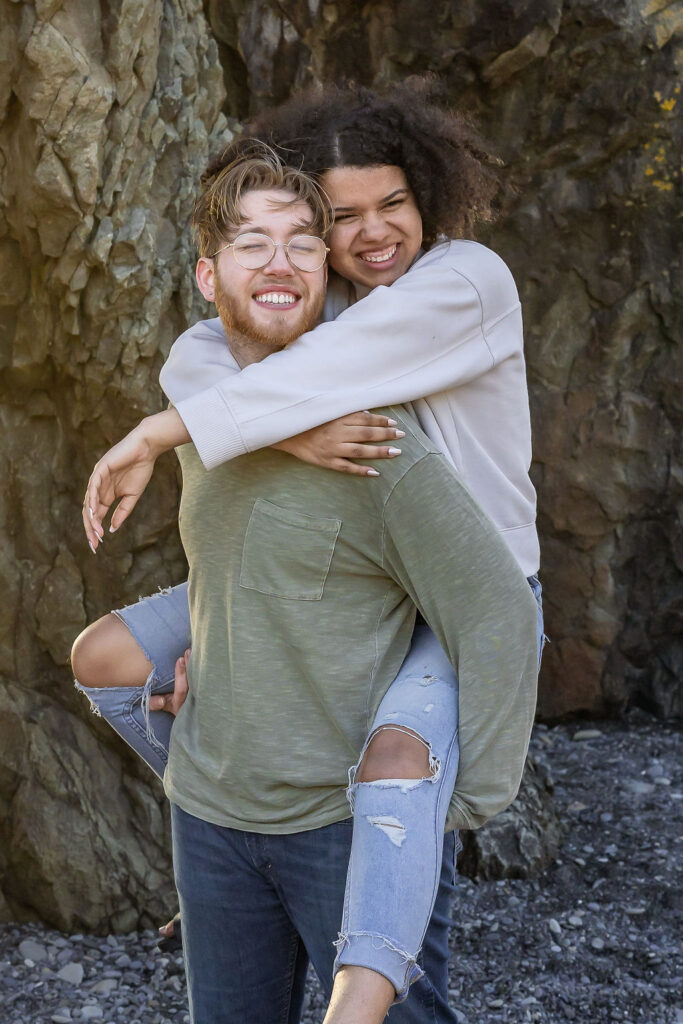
(377, 226)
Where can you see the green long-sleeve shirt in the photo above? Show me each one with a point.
(303, 588)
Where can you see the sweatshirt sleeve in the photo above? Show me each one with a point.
(425, 333)
(472, 593)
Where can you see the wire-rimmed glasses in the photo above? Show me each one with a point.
(254, 250)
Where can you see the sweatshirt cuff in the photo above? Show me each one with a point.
(212, 427)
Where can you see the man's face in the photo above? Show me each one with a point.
(276, 303)
(377, 226)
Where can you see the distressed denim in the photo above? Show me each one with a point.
(395, 862)
(257, 908)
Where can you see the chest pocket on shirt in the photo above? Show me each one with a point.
(287, 554)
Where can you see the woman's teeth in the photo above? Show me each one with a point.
(382, 258)
(283, 297)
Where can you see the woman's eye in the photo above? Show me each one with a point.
(343, 216)
(394, 202)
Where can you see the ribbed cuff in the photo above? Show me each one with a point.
(212, 428)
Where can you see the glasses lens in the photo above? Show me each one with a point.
(307, 252)
(253, 250)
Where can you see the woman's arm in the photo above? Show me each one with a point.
(424, 334)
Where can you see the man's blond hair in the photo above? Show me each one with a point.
(253, 167)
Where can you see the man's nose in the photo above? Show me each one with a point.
(279, 266)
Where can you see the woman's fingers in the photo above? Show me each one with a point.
(365, 433)
(368, 419)
(367, 451)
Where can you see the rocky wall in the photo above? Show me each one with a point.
(107, 114)
(581, 99)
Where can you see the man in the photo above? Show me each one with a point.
(303, 586)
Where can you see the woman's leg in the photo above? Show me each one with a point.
(400, 792)
(125, 657)
(400, 789)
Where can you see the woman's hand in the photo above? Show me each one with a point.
(335, 444)
(173, 701)
(125, 470)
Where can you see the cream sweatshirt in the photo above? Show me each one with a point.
(445, 340)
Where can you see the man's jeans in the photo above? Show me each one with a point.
(255, 908)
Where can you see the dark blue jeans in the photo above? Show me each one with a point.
(256, 908)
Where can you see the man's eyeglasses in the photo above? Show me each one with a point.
(254, 250)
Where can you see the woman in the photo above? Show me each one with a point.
(400, 174)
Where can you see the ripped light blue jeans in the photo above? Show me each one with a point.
(396, 852)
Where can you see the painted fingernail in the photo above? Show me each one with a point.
(400, 433)
(372, 472)
(393, 451)
(113, 529)
(391, 423)
(92, 547)
(90, 512)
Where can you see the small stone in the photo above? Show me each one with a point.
(662, 780)
(92, 1012)
(31, 950)
(575, 806)
(554, 926)
(62, 1016)
(123, 960)
(640, 788)
(575, 921)
(634, 911)
(597, 944)
(554, 948)
(73, 973)
(105, 986)
(495, 1004)
(587, 734)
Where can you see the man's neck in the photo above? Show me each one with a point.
(245, 350)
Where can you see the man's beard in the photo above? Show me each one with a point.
(236, 321)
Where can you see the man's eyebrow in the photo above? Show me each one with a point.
(298, 225)
(386, 199)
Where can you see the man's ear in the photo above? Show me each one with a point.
(205, 274)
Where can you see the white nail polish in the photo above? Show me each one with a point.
(394, 451)
(113, 529)
(92, 547)
(392, 423)
(372, 472)
(90, 512)
(400, 433)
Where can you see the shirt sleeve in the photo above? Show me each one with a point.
(470, 590)
(423, 334)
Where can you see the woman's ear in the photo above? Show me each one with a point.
(205, 274)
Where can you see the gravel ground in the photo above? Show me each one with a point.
(595, 939)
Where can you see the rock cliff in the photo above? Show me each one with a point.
(107, 114)
(581, 99)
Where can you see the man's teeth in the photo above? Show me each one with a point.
(285, 298)
(382, 258)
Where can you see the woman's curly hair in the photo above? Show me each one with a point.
(448, 166)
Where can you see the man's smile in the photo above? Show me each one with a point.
(281, 298)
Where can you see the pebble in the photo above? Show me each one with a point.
(73, 973)
(587, 734)
(640, 788)
(555, 926)
(575, 921)
(31, 950)
(92, 1012)
(597, 944)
